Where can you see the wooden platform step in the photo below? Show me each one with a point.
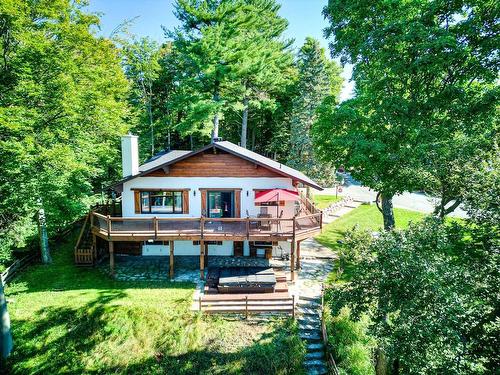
(281, 287)
(251, 296)
(251, 309)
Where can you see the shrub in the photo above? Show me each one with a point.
(350, 342)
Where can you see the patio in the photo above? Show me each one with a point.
(187, 268)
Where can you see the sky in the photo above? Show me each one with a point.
(304, 17)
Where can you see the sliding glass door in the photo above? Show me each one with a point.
(220, 204)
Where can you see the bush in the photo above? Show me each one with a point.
(350, 342)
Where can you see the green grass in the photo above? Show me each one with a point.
(365, 217)
(323, 201)
(74, 320)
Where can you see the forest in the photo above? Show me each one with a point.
(67, 95)
(424, 117)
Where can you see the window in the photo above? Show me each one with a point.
(218, 243)
(161, 202)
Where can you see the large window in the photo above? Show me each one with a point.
(161, 202)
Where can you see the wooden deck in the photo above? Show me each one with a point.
(188, 228)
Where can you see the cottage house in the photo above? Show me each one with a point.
(220, 200)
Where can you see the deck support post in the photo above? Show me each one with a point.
(202, 260)
(94, 248)
(171, 265)
(298, 255)
(112, 258)
(292, 260)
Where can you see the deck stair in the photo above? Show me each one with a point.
(309, 319)
(85, 254)
(256, 303)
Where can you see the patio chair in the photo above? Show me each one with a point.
(279, 222)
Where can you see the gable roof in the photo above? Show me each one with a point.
(162, 158)
(168, 158)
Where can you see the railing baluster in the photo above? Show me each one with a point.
(108, 219)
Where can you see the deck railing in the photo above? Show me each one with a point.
(206, 227)
(247, 304)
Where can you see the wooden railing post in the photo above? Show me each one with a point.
(293, 306)
(248, 227)
(199, 303)
(246, 307)
(202, 225)
(91, 213)
(155, 226)
(108, 221)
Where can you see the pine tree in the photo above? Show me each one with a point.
(319, 78)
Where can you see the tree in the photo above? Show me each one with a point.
(265, 63)
(425, 76)
(207, 45)
(318, 79)
(62, 109)
(142, 69)
(431, 294)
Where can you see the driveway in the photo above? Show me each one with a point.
(410, 201)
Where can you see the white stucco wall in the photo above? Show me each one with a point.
(247, 184)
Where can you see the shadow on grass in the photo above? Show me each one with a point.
(66, 340)
(277, 352)
(59, 335)
(63, 275)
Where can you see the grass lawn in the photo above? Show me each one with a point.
(323, 201)
(76, 320)
(365, 217)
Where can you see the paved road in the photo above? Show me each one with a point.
(411, 201)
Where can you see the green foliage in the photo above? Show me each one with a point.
(79, 321)
(62, 110)
(351, 343)
(318, 78)
(141, 65)
(425, 110)
(430, 293)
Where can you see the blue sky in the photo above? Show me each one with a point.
(304, 17)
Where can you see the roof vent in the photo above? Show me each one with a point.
(217, 139)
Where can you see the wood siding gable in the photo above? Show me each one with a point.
(209, 164)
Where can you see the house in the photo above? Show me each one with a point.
(203, 203)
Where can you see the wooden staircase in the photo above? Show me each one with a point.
(85, 250)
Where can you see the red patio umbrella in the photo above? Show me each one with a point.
(276, 195)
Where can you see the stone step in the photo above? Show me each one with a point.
(315, 355)
(310, 336)
(314, 363)
(309, 319)
(307, 311)
(309, 327)
(317, 370)
(315, 346)
(309, 304)
(313, 299)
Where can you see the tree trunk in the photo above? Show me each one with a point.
(44, 238)
(387, 210)
(215, 132)
(6, 339)
(150, 113)
(380, 362)
(395, 367)
(244, 124)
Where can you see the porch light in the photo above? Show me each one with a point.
(247, 193)
(194, 193)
